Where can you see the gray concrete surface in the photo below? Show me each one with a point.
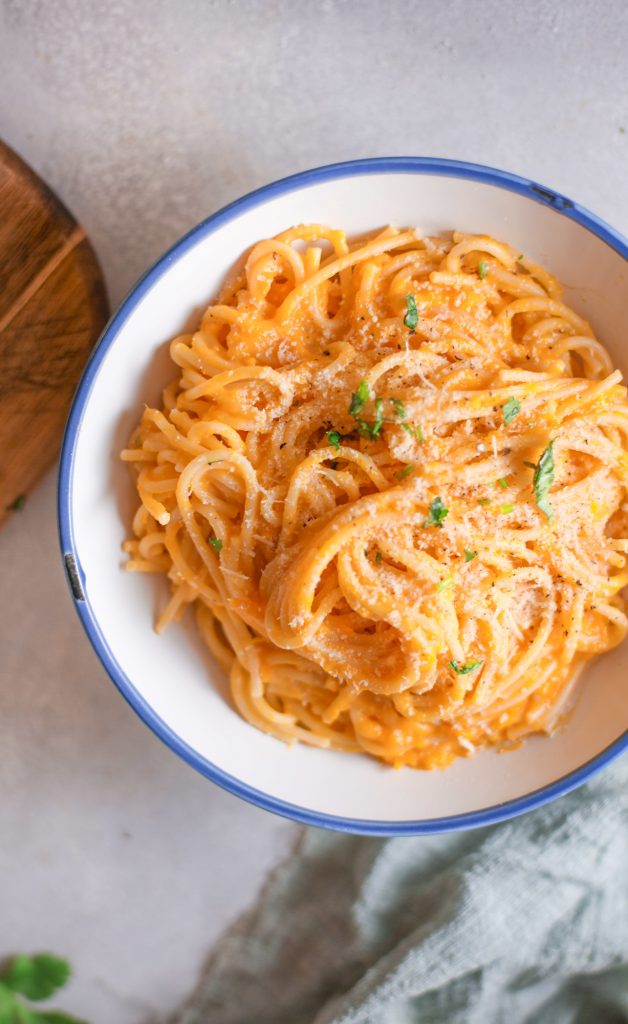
(145, 116)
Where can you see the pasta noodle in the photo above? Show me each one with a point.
(391, 476)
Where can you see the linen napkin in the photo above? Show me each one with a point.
(526, 921)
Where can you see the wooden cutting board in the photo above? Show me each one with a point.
(53, 306)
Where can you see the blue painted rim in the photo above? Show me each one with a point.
(390, 165)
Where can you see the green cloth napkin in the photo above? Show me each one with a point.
(521, 922)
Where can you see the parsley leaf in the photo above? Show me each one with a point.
(530, 465)
(359, 398)
(510, 409)
(414, 432)
(507, 509)
(482, 269)
(36, 977)
(503, 483)
(334, 438)
(216, 543)
(437, 513)
(543, 480)
(399, 407)
(445, 584)
(484, 501)
(405, 472)
(379, 417)
(468, 666)
(469, 555)
(411, 318)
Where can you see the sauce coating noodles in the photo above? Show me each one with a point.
(390, 475)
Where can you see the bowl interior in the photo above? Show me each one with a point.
(172, 676)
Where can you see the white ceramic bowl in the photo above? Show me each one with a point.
(171, 680)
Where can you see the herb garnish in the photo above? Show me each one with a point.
(359, 399)
(543, 480)
(36, 977)
(503, 483)
(401, 474)
(469, 555)
(530, 465)
(510, 409)
(216, 543)
(379, 417)
(18, 504)
(484, 501)
(414, 432)
(468, 666)
(445, 584)
(437, 513)
(482, 269)
(507, 509)
(411, 318)
(334, 438)
(378, 558)
(400, 412)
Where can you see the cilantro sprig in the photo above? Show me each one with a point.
(34, 977)
(466, 667)
(543, 480)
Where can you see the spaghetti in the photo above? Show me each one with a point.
(391, 478)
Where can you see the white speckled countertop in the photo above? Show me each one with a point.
(145, 117)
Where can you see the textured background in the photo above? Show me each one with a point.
(145, 117)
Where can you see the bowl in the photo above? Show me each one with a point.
(171, 680)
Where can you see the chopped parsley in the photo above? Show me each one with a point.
(530, 465)
(400, 412)
(18, 504)
(437, 513)
(411, 318)
(334, 438)
(466, 667)
(484, 501)
(405, 472)
(469, 555)
(216, 543)
(414, 432)
(445, 584)
(543, 480)
(503, 483)
(482, 269)
(507, 509)
(378, 558)
(379, 417)
(510, 409)
(359, 399)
